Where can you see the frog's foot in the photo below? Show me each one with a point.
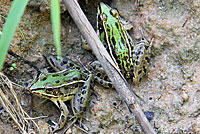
(63, 116)
(83, 127)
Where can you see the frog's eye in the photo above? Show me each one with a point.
(56, 92)
(43, 77)
(114, 13)
(103, 17)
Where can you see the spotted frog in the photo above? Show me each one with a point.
(131, 59)
(71, 82)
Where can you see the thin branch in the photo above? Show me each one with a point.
(24, 60)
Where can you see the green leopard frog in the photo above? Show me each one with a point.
(60, 87)
(71, 82)
(131, 59)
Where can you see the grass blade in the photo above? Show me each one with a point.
(55, 18)
(15, 13)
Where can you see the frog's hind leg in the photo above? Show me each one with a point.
(141, 57)
(63, 116)
(104, 83)
(100, 75)
(80, 100)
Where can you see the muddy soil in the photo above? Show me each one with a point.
(171, 90)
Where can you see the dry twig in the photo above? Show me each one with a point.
(19, 116)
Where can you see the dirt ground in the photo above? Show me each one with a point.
(170, 90)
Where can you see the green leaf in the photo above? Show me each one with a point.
(55, 18)
(14, 16)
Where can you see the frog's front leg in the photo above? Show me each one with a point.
(80, 100)
(141, 58)
(63, 116)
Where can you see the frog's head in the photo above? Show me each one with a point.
(106, 13)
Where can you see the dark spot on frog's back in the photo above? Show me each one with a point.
(140, 79)
(65, 74)
(118, 61)
(107, 25)
(113, 40)
(84, 87)
(65, 61)
(145, 70)
(76, 85)
(101, 82)
(137, 63)
(122, 40)
(98, 74)
(71, 64)
(82, 100)
(108, 29)
(81, 108)
(62, 64)
(147, 59)
(83, 92)
(125, 57)
(78, 68)
(135, 53)
(55, 75)
(139, 72)
(79, 95)
(57, 81)
(116, 24)
(94, 67)
(110, 85)
(140, 52)
(75, 78)
(128, 64)
(106, 78)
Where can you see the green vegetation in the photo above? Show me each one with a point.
(55, 18)
(15, 13)
(13, 66)
(13, 18)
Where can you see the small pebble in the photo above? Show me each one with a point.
(149, 115)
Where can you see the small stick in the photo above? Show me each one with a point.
(110, 68)
(24, 60)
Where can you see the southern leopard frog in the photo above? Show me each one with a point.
(72, 83)
(60, 87)
(132, 59)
